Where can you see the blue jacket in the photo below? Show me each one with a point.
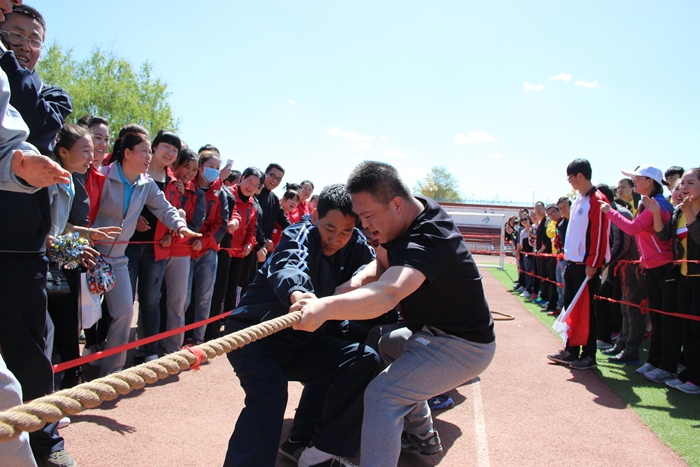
(298, 263)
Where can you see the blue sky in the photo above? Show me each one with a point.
(504, 94)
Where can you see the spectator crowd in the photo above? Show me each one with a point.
(640, 252)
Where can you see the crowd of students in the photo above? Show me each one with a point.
(638, 248)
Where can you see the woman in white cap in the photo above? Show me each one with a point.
(659, 271)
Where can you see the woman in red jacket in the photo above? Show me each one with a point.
(242, 230)
(204, 249)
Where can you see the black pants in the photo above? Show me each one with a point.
(22, 327)
(552, 294)
(666, 331)
(220, 284)
(264, 368)
(64, 314)
(608, 314)
(689, 303)
(574, 276)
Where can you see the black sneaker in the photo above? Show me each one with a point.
(612, 352)
(58, 459)
(563, 357)
(583, 363)
(427, 446)
(292, 449)
(625, 358)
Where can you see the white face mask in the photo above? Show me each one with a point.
(210, 174)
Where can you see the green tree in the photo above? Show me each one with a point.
(440, 185)
(107, 85)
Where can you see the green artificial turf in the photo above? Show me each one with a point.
(672, 415)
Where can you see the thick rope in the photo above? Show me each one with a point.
(506, 316)
(34, 415)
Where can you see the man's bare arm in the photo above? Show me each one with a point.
(366, 302)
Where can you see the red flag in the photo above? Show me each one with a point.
(579, 318)
(573, 324)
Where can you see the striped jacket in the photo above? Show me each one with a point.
(588, 231)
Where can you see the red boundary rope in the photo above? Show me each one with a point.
(130, 345)
(623, 302)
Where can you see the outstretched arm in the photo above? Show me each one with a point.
(367, 302)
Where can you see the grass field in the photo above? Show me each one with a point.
(671, 414)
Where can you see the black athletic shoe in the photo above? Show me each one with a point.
(428, 446)
(563, 357)
(292, 449)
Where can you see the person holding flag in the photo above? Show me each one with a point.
(585, 249)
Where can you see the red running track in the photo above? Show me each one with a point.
(512, 417)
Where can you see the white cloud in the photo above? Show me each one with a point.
(587, 84)
(527, 87)
(561, 77)
(384, 138)
(360, 146)
(410, 175)
(496, 156)
(291, 101)
(394, 153)
(335, 131)
(474, 137)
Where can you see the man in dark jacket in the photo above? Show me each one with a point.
(310, 261)
(270, 204)
(25, 220)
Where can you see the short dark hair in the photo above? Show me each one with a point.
(292, 186)
(551, 206)
(186, 155)
(128, 141)
(233, 176)
(380, 180)
(564, 198)
(335, 197)
(209, 148)
(674, 170)
(607, 191)
(90, 120)
(309, 182)
(167, 137)
(206, 155)
(67, 136)
(629, 181)
(274, 166)
(291, 194)
(26, 10)
(134, 128)
(580, 166)
(541, 203)
(252, 171)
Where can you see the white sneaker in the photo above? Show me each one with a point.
(647, 367)
(689, 388)
(64, 422)
(525, 294)
(673, 383)
(314, 456)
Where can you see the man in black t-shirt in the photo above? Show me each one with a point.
(426, 267)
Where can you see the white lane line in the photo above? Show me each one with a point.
(482, 445)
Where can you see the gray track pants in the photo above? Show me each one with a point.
(428, 363)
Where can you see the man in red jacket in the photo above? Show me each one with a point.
(585, 250)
